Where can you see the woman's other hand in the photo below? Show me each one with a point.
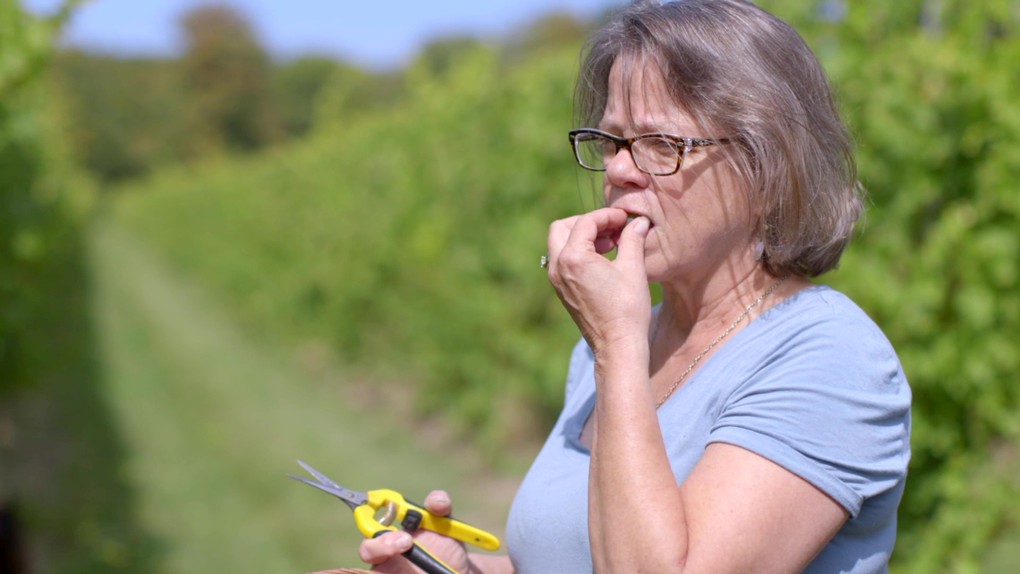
(384, 552)
(608, 299)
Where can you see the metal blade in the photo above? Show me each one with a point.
(351, 498)
(318, 475)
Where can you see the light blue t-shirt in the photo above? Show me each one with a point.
(812, 384)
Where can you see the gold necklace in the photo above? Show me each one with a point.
(721, 336)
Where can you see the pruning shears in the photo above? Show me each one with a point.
(410, 516)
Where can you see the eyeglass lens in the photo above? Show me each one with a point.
(654, 155)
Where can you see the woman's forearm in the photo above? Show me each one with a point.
(636, 520)
(490, 564)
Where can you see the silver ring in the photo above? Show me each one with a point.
(544, 262)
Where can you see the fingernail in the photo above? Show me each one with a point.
(403, 541)
(641, 224)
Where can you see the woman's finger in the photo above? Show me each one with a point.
(631, 245)
(380, 549)
(559, 231)
(593, 226)
(593, 231)
(438, 502)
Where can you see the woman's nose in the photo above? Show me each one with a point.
(622, 171)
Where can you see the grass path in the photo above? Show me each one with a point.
(212, 421)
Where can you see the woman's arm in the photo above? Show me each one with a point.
(736, 512)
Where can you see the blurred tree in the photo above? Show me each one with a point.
(351, 91)
(227, 79)
(439, 57)
(298, 85)
(122, 116)
(33, 216)
(552, 32)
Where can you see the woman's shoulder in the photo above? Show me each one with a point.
(821, 311)
(822, 331)
(818, 300)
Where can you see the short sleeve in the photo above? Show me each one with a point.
(830, 404)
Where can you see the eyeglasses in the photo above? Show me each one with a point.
(654, 154)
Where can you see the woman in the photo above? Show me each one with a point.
(753, 422)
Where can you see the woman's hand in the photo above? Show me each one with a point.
(608, 299)
(385, 551)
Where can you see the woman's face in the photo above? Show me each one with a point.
(700, 217)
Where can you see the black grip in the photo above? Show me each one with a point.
(422, 559)
(427, 562)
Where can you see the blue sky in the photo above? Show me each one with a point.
(377, 33)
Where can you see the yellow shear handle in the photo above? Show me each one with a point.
(364, 517)
(369, 526)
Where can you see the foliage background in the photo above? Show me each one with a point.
(392, 221)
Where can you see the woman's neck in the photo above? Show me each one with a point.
(692, 315)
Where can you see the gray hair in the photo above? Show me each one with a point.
(749, 76)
